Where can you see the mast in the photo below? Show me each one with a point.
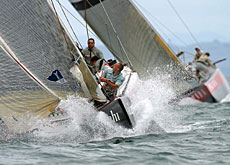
(34, 66)
(80, 70)
(145, 48)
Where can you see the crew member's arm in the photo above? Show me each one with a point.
(117, 84)
(102, 78)
(112, 85)
(109, 83)
(210, 63)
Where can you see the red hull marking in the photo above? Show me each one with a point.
(201, 94)
(210, 88)
(215, 83)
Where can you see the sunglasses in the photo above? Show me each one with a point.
(90, 42)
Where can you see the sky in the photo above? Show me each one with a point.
(181, 23)
(207, 20)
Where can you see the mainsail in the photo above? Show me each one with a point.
(130, 37)
(36, 57)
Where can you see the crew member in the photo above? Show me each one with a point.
(204, 58)
(191, 70)
(202, 67)
(92, 51)
(113, 79)
(97, 64)
(197, 55)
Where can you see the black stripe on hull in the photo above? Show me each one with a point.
(117, 111)
(208, 98)
(85, 4)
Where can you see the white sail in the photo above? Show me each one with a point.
(36, 57)
(131, 38)
(144, 47)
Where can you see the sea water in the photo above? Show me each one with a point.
(194, 133)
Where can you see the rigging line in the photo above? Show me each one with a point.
(70, 38)
(12, 55)
(164, 45)
(179, 39)
(78, 51)
(101, 18)
(191, 54)
(111, 49)
(173, 46)
(70, 41)
(131, 66)
(104, 22)
(69, 24)
(66, 35)
(184, 59)
(77, 19)
(96, 13)
(109, 36)
(48, 24)
(183, 22)
(61, 28)
(87, 31)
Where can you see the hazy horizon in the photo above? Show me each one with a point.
(206, 21)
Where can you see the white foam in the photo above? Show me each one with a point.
(189, 101)
(149, 107)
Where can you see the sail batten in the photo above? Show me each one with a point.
(13, 56)
(36, 57)
(145, 48)
(148, 53)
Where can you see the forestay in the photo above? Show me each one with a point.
(144, 47)
(132, 39)
(36, 57)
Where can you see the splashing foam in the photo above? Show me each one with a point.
(85, 124)
(149, 107)
(189, 101)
